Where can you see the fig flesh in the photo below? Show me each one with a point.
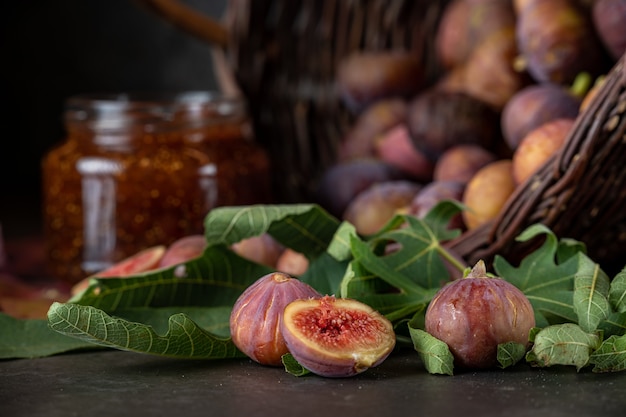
(255, 321)
(337, 337)
(472, 315)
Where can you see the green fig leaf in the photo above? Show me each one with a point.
(434, 353)
(610, 356)
(562, 344)
(591, 290)
(547, 284)
(183, 339)
(510, 353)
(617, 292)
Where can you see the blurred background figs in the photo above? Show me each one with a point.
(366, 76)
(535, 105)
(557, 41)
(438, 120)
(609, 18)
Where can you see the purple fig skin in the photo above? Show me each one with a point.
(609, 18)
(337, 337)
(255, 321)
(474, 314)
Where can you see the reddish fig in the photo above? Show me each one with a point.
(143, 261)
(292, 262)
(337, 337)
(396, 148)
(360, 140)
(262, 249)
(183, 250)
(472, 315)
(461, 162)
(255, 321)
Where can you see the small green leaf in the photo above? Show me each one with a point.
(610, 356)
(434, 353)
(591, 290)
(617, 292)
(292, 366)
(562, 344)
(510, 353)
(184, 338)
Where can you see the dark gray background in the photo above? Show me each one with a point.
(55, 49)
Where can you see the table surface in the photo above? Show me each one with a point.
(111, 382)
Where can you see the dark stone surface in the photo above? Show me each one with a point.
(109, 383)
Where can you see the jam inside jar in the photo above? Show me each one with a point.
(140, 170)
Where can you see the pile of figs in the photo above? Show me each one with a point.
(515, 76)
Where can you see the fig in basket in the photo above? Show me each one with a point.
(365, 77)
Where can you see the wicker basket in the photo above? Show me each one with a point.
(282, 55)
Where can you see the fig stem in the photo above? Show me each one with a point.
(448, 257)
(581, 84)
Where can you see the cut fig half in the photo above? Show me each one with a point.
(336, 337)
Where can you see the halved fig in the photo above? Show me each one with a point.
(255, 321)
(142, 261)
(336, 337)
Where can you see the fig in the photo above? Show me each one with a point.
(490, 73)
(440, 119)
(474, 314)
(535, 105)
(255, 321)
(360, 140)
(342, 181)
(143, 261)
(183, 250)
(461, 162)
(487, 192)
(435, 192)
(609, 20)
(262, 249)
(465, 24)
(538, 146)
(364, 77)
(336, 337)
(396, 148)
(373, 207)
(557, 41)
(292, 262)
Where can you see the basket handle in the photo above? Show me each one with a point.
(189, 20)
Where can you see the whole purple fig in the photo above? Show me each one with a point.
(255, 321)
(472, 315)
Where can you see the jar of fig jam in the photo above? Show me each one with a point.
(139, 170)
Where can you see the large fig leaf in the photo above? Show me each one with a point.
(413, 269)
(183, 338)
(215, 279)
(548, 283)
(34, 339)
(306, 228)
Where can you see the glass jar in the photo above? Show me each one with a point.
(139, 170)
